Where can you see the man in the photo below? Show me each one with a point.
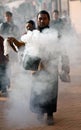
(29, 26)
(49, 106)
(57, 22)
(4, 81)
(8, 28)
(43, 20)
(46, 75)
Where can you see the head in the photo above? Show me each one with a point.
(8, 16)
(55, 14)
(43, 19)
(30, 25)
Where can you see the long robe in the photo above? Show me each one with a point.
(44, 90)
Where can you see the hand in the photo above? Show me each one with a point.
(66, 68)
(41, 66)
(65, 77)
(10, 40)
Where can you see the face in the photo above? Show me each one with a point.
(55, 15)
(8, 18)
(42, 20)
(29, 26)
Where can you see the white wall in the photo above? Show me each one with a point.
(75, 14)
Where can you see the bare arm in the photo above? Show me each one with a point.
(12, 40)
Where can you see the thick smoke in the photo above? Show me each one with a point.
(47, 46)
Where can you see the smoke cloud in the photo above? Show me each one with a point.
(47, 46)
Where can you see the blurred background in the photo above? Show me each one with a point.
(23, 10)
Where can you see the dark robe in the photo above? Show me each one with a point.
(4, 81)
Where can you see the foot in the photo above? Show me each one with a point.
(50, 120)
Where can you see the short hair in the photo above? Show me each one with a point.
(8, 13)
(31, 22)
(56, 11)
(44, 12)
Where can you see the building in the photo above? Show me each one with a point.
(75, 14)
(61, 5)
(50, 5)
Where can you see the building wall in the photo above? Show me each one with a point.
(75, 14)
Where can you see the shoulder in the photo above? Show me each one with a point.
(25, 37)
(4, 25)
(60, 20)
(46, 30)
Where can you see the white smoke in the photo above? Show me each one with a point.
(47, 46)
